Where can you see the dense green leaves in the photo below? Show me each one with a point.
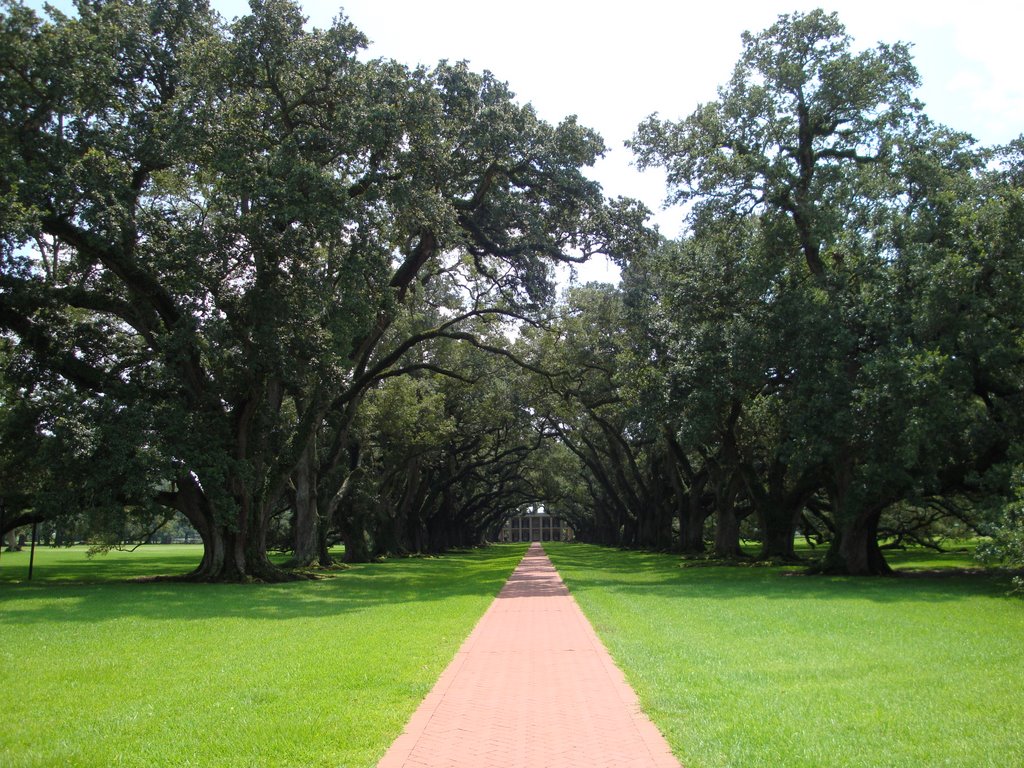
(792, 131)
(299, 296)
(833, 343)
(222, 232)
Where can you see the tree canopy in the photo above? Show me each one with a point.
(216, 235)
(302, 297)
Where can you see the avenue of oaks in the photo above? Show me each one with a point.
(296, 298)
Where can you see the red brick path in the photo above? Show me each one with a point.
(532, 687)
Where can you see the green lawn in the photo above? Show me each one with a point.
(56, 565)
(759, 667)
(66, 565)
(737, 666)
(321, 673)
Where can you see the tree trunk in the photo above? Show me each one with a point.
(854, 550)
(691, 527)
(727, 532)
(778, 531)
(437, 535)
(352, 525)
(727, 522)
(656, 512)
(410, 510)
(357, 549)
(605, 528)
(231, 552)
(231, 556)
(310, 546)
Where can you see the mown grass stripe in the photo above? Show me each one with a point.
(752, 667)
(300, 674)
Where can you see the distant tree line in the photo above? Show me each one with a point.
(301, 298)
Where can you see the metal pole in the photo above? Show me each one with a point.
(32, 552)
(3, 521)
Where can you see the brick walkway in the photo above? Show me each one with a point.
(532, 687)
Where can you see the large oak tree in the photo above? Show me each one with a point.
(828, 148)
(211, 227)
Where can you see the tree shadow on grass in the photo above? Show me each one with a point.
(586, 567)
(73, 566)
(480, 573)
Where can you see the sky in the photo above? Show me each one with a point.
(614, 63)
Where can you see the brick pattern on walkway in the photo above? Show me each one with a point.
(532, 687)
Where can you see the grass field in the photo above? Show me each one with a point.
(755, 667)
(74, 565)
(321, 673)
(738, 666)
(66, 565)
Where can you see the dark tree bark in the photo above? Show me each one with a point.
(855, 550)
(688, 488)
(727, 529)
(727, 533)
(234, 544)
(310, 546)
(778, 531)
(691, 525)
(779, 501)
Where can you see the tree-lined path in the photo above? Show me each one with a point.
(532, 686)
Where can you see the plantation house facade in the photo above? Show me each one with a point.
(535, 523)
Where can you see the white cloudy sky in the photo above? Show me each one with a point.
(612, 64)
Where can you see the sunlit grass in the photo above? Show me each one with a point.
(55, 565)
(759, 667)
(77, 565)
(321, 673)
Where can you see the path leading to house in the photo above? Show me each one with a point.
(532, 687)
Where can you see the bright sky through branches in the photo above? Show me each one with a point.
(612, 64)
